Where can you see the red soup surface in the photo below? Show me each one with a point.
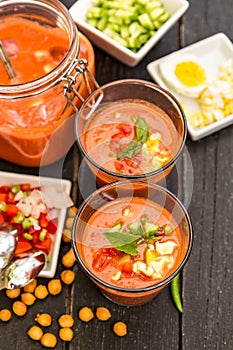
(26, 123)
(132, 243)
(131, 137)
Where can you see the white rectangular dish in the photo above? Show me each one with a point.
(7, 178)
(211, 52)
(78, 12)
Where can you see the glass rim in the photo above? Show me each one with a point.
(161, 169)
(123, 289)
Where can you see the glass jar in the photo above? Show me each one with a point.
(36, 106)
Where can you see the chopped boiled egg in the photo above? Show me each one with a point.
(165, 248)
(216, 100)
(184, 74)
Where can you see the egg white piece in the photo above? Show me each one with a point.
(167, 69)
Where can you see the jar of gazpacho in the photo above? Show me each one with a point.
(54, 68)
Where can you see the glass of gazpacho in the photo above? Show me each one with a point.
(130, 129)
(132, 238)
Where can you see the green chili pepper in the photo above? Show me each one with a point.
(3, 206)
(19, 217)
(28, 236)
(175, 291)
(15, 188)
(42, 235)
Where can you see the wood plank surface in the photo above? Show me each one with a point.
(206, 281)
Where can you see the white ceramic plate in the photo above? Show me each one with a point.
(78, 12)
(211, 52)
(7, 178)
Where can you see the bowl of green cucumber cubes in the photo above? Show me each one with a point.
(126, 29)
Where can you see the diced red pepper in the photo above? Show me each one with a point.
(25, 187)
(2, 219)
(12, 210)
(43, 220)
(52, 225)
(3, 197)
(45, 245)
(4, 189)
(22, 247)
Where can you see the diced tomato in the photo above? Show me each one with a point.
(118, 135)
(25, 187)
(52, 225)
(43, 220)
(127, 267)
(125, 129)
(4, 189)
(118, 165)
(102, 257)
(12, 210)
(132, 162)
(3, 197)
(22, 246)
(45, 245)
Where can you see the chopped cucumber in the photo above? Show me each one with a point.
(130, 23)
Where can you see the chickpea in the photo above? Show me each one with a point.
(28, 298)
(67, 276)
(66, 334)
(44, 320)
(41, 291)
(5, 315)
(54, 287)
(35, 333)
(66, 321)
(66, 235)
(103, 314)
(48, 340)
(19, 308)
(69, 223)
(120, 329)
(72, 211)
(13, 293)
(69, 259)
(85, 314)
(30, 287)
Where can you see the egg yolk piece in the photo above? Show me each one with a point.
(190, 73)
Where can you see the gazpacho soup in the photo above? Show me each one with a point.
(131, 137)
(132, 243)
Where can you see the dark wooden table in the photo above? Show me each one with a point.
(206, 281)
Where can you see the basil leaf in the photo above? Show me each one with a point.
(123, 241)
(130, 151)
(142, 129)
(130, 249)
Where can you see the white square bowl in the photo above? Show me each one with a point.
(7, 178)
(78, 12)
(211, 52)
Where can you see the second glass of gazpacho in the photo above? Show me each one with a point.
(132, 238)
(130, 129)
